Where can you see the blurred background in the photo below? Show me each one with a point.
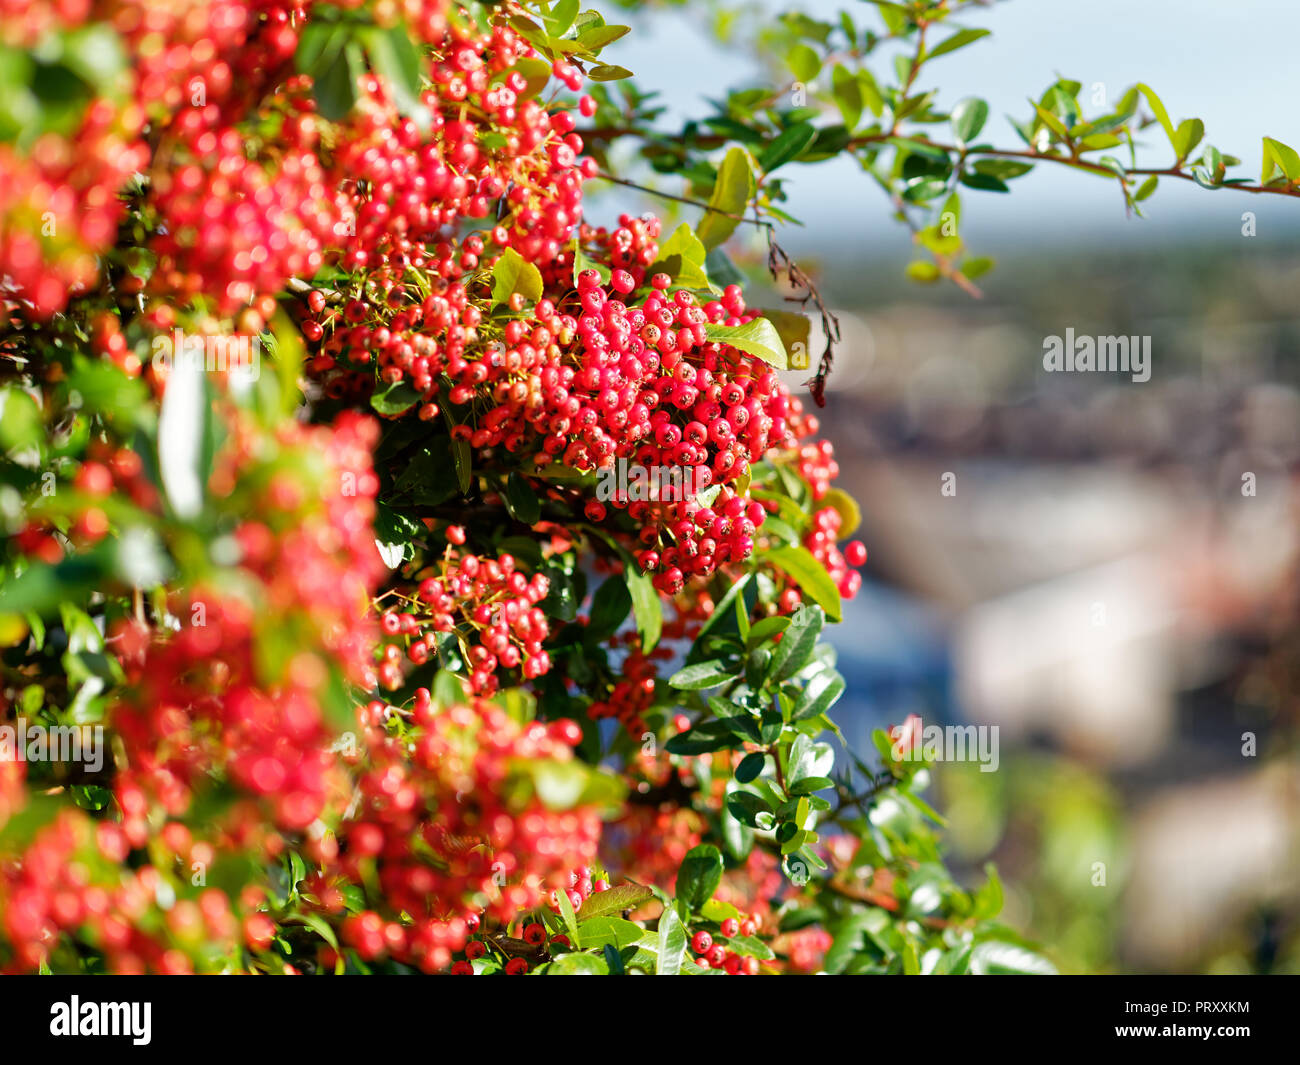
(1113, 578)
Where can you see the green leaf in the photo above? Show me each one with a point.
(393, 56)
(701, 675)
(336, 87)
(561, 17)
(94, 53)
(608, 72)
(749, 809)
(609, 609)
(996, 956)
(750, 946)
(672, 943)
(513, 273)
(750, 766)
(582, 262)
(682, 257)
(789, 145)
(1282, 157)
(570, 919)
(395, 399)
(577, 963)
(1052, 122)
(609, 931)
(318, 44)
(722, 616)
(983, 182)
(521, 500)
(721, 270)
(758, 337)
(810, 575)
(988, 899)
(1188, 135)
(871, 95)
(1003, 169)
(847, 90)
(804, 62)
(560, 785)
(699, 875)
(1162, 116)
(960, 39)
(646, 606)
(732, 191)
(615, 900)
(736, 836)
(924, 189)
(597, 37)
(797, 643)
(968, 118)
(819, 696)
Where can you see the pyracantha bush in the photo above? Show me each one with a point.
(348, 620)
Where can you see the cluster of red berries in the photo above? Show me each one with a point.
(633, 693)
(108, 470)
(639, 381)
(200, 699)
(491, 603)
(189, 53)
(647, 843)
(72, 879)
(580, 885)
(314, 552)
(405, 184)
(713, 954)
(236, 228)
(59, 207)
(806, 949)
(24, 22)
(822, 541)
(816, 462)
(448, 822)
(197, 709)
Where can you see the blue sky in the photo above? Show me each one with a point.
(1229, 62)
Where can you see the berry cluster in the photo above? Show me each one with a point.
(192, 53)
(714, 954)
(822, 542)
(233, 227)
(489, 602)
(72, 879)
(59, 207)
(205, 699)
(450, 825)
